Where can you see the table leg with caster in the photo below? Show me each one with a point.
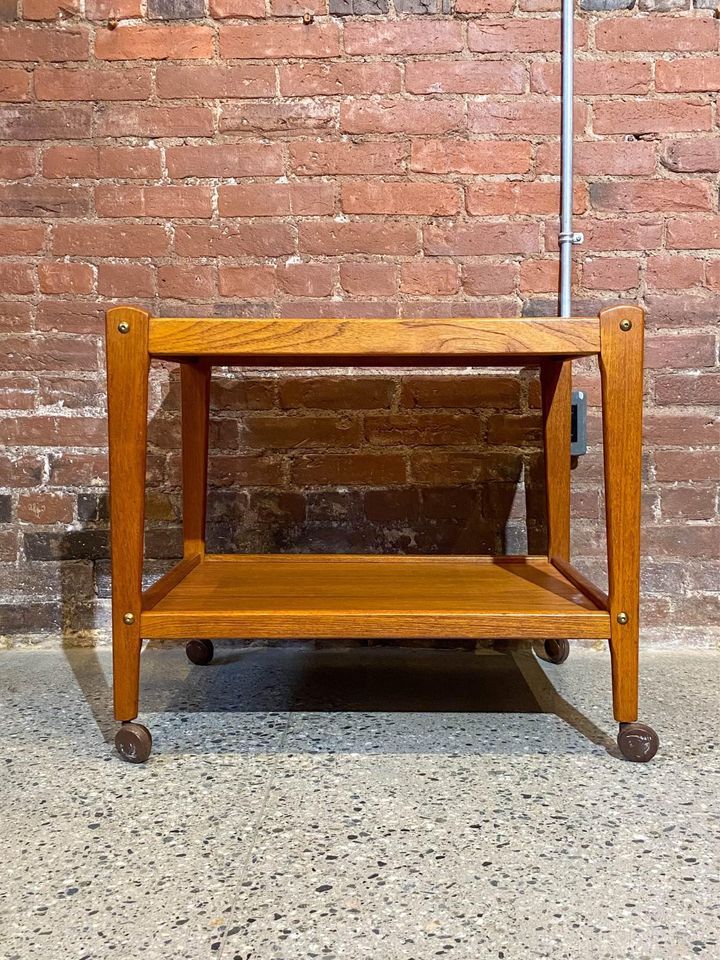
(127, 380)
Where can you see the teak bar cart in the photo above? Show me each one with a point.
(542, 598)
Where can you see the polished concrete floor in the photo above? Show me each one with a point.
(368, 803)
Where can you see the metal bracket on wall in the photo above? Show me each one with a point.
(578, 423)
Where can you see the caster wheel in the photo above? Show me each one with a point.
(199, 651)
(133, 742)
(637, 741)
(552, 651)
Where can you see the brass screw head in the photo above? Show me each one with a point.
(622, 617)
(123, 327)
(307, 18)
(626, 325)
(129, 618)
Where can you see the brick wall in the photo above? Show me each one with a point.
(379, 161)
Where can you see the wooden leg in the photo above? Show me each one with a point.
(195, 391)
(621, 371)
(127, 388)
(556, 384)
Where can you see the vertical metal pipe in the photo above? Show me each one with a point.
(566, 160)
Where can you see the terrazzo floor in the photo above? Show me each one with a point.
(367, 803)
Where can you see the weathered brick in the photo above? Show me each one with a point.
(237, 8)
(325, 393)
(176, 81)
(14, 85)
(402, 38)
(652, 116)
(429, 277)
(146, 42)
(45, 508)
(316, 158)
(21, 239)
(597, 158)
(195, 282)
(520, 36)
(333, 239)
(489, 277)
(422, 430)
(369, 279)
(297, 433)
(693, 75)
(321, 78)
(130, 120)
(42, 122)
(521, 117)
(656, 33)
(594, 78)
(175, 9)
(65, 277)
(246, 159)
(110, 240)
(697, 234)
(45, 46)
(64, 83)
(466, 156)
(168, 200)
(306, 280)
(610, 273)
(465, 76)
(401, 116)
(478, 391)
(692, 156)
(48, 202)
(288, 117)
(277, 39)
(361, 469)
(467, 240)
(652, 197)
(413, 199)
(16, 162)
(125, 280)
(57, 353)
(508, 199)
(247, 281)
(667, 272)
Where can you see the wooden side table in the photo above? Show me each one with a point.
(542, 598)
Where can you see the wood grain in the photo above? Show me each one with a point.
(374, 596)
(370, 337)
(195, 401)
(127, 386)
(621, 372)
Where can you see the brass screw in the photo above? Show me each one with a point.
(622, 618)
(626, 325)
(129, 618)
(124, 327)
(307, 18)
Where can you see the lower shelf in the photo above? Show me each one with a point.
(307, 596)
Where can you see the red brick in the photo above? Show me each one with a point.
(403, 37)
(69, 316)
(465, 76)
(112, 9)
(43, 122)
(698, 234)
(521, 117)
(687, 75)
(611, 273)
(277, 40)
(168, 200)
(50, 9)
(467, 156)
(43, 200)
(22, 471)
(14, 85)
(277, 199)
(686, 465)
(283, 117)
(411, 199)
(484, 6)
(125, 162)
(668, 352)
(129, 120)
(597, 158)
(318, 158)
(514, 431)
(519, 198)
(429, 277)
(16, 278)
(151, 42)
(369, 279)
(333, 393)
(243, 239)
(520, 35)
(652, 197)
(21, 239)
(110, 240)
(15, 317)
(237, 8)
(686, 309)
(453, 467)
(64, 83)
(594, 78)
(125, 280)
(246, 159)
(65, 277)
(17, 393)
(712, 274)
(422, 429)
(251, 282)
(57, 353)
(176, 81)
(401, 116)
(16, 162)
(674, 272)
(320, 79)
(334, 239)
(306, 279)
(474, 392)
(352, 469)
(662, 33)
(681, 540)
(652, 116)
(469, 240)
(692, 156)
(539, 275)
(27, 43)
(186, 282)
(292, 433)
(296, 8)
(78, 469)
(489, 278)
(45, 508)
(688, 388)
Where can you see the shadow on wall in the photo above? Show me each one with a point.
(368, 464)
